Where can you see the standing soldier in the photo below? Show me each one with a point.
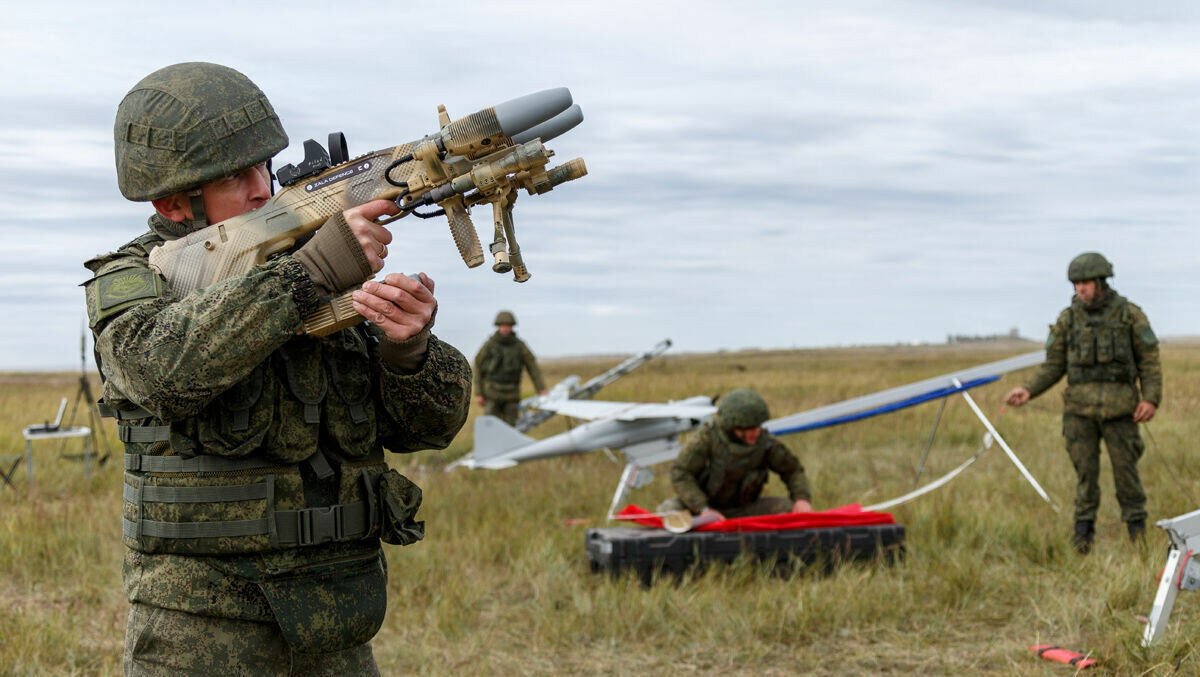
(1105, 346)
(255, 490)
(498, 371)
(724, 467)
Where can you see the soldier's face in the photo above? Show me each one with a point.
(232, 196)
(1086, 290)
(748, 435)
(504, 329)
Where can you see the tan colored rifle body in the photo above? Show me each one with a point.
(236, 245)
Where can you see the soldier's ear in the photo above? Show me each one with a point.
(175, 208)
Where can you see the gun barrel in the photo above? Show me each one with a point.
(479, 132)
(523, 112)
(568, 171)
(559, 124)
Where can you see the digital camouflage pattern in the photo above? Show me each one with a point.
(720, 472)
(1124, 446)
(742, 408)
(1107, 349)
(498, 366)
(1089, 266)
(190, 123)
(222, 373)
(174, 644)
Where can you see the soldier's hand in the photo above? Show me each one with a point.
(1144, 412)
(710, 511)
(801, 505)
(1017, 396)
(372, 237)
(479, 400)
(401, 307)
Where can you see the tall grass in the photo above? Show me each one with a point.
(501, 583)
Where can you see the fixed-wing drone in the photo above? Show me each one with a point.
(648, 433)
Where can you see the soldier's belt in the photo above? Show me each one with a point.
(289, 528)
(203, 506)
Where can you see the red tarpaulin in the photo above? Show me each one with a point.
(845, 516)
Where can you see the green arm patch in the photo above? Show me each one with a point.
(1147, 336)
(1050, 338)
(123, 288)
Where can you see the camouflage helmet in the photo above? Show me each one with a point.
(505, 317)
(1089, 266)
(187, 124)
(742, 408)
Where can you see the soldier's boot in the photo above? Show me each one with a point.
(1137, 530)
(1085, 531)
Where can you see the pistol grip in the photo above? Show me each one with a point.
(463, 231)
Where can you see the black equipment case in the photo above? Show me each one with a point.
(649, 550)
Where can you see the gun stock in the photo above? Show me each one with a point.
(470, 161)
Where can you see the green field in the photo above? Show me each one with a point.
(501, 584)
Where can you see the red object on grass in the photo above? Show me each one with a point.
(844, 516)
(1057, 653)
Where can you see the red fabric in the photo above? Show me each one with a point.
(1061, 655)
(846, 516)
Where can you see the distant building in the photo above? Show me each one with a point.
(1013, 335)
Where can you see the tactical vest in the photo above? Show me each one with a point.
(736, 473)
(258, 494)
(1099, 347)
(502, 363)
(286, 458)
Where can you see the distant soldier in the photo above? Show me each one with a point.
(498, 371)
(724, 467)
(1105, 346)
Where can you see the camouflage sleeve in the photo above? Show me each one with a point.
(479, 375)
(425, 410)
(171, 355)
(531, 366)
(686, 469)
(787, 466)
(1056, 357)
(1145, 352)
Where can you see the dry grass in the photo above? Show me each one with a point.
(501, 584)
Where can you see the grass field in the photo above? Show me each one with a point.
(501, 584)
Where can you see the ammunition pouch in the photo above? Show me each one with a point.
(331, 606)
(399, 500)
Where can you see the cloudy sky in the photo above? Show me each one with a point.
(762, 174)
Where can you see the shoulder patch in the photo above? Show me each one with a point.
(1147, 336)
(126, 285)
(1050, 338)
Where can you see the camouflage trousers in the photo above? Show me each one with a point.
(766, 505)
(167, 643)
(505, 410)
(1124, 446)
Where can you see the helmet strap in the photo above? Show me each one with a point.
(199, 217)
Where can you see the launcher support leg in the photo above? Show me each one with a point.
(1164, 598)
(627, 478)
(1004, 445)
(929, 443)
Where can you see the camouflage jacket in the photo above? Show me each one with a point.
(717, 471)
(289, 423)
(498, 367)
(1105, 351)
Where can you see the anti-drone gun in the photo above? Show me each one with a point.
(485, 157)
